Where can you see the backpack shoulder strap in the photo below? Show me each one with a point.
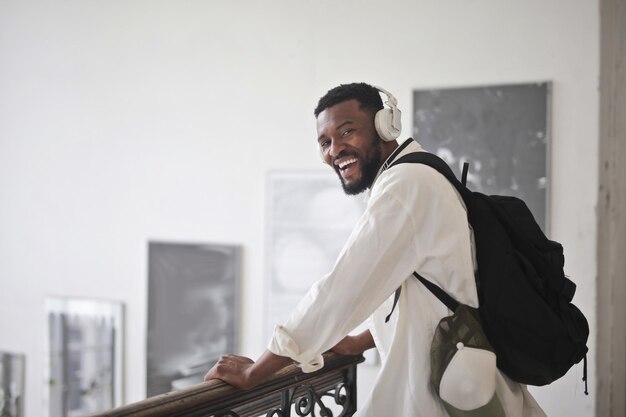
(437, 164)
(435, 289)
(443, 296)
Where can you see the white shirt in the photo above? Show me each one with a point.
(414, 221)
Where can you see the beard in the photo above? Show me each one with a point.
(370, 164)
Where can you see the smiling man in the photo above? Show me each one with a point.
(414, 221)
(349, 142)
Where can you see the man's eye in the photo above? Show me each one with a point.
(346, 132)
(324, 144)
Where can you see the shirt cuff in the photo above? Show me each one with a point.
(282, 344)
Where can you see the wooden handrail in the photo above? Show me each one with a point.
(273, 398)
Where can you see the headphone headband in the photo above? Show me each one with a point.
(390, 96)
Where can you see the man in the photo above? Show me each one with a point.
(414, 221)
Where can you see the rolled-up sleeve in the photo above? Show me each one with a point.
(283, 344)
(379, 255)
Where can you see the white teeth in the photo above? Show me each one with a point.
(345, 163)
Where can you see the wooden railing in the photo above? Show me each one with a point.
(330, 390)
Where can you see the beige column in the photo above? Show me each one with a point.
(611, 280)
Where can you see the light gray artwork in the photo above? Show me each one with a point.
(192, 311)
(12, 384)
(84, 356)
(502, 131)
(309, 219)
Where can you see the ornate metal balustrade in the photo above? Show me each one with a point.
(289, 393)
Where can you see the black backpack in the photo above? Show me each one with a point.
(524, 296)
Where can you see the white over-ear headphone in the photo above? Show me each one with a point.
(388, 122)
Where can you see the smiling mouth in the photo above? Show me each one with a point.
(343, 165)
(346, 167)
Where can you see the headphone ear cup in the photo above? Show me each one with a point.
(384, 127)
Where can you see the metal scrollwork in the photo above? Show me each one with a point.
(306, 405)
(343, 398)
(341, 394)
(276, 412)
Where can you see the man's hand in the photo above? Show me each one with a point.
(355, 345)
(232, 369)
(244, 373)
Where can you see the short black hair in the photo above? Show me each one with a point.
(368, 96)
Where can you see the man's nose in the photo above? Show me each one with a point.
(336, 146)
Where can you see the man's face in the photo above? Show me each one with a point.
(350, 145)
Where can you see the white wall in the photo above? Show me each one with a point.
(127, 121)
